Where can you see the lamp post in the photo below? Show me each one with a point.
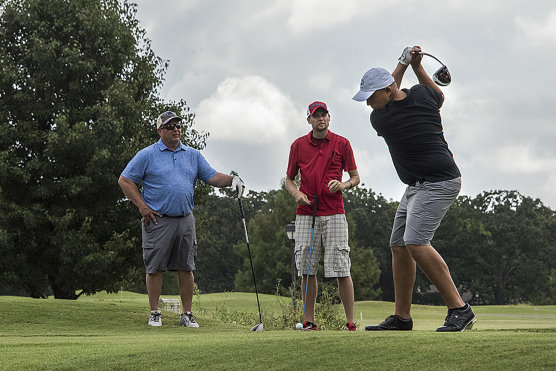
(290, 232)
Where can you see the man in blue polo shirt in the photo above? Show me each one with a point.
(168, 171)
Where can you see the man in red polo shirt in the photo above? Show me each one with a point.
(321, 156)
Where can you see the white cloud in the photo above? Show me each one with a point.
(251, 124)
(547, 191)
(535, 32)
(247, 109)
(376, 169)
(321, 82)
(162, 14)
(266, 14)
(315, 15)
(498, 120)
(520, 160)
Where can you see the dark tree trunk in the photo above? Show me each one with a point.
(61, 292)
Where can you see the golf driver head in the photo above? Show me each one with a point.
(258, 327)
(442, 76)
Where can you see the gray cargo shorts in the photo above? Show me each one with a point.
(421, 210)
(170, 244)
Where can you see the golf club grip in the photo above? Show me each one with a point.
(314, 211)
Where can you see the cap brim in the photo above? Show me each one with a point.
(363, 95)
(311, 113)
(170, 119)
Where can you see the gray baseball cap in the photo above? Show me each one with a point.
(165, 117)
(373, 80)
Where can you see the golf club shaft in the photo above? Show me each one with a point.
(310, 252)
(432, 56)
(250, 258)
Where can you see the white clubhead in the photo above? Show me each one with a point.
(258, 327)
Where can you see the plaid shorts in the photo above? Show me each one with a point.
(330, 233)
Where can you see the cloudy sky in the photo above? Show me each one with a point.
(248, 69)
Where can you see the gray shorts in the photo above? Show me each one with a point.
(331, 234)
(421, 210)
(169, 245)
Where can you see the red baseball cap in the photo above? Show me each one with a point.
(314, 106)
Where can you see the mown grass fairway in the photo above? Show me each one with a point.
(110, 332)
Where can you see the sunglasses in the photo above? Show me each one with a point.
(172, 126)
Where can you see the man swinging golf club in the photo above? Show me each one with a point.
(321, 156)
(410, 123)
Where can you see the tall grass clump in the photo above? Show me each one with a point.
(328, 315)
(284, 316)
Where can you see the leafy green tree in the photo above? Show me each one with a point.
(459, 233)
(269, 245)
(521, 249)
(552, 289)
(499, 247)
(218, 229)
(272, 254)
(365, 272)
(78, 98)
(370, 219)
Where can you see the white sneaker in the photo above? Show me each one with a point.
(155, 318)
(187, 320)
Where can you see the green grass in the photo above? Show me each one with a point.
(110, 332)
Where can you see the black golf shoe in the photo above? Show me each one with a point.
(458, 320)
(392, 323)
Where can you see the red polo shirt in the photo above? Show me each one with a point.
(319, 163)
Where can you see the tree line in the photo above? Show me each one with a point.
(79, 94)
(498, 246)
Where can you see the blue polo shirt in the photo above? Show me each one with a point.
(168, 177)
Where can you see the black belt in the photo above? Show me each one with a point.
(173, 216)
(417, 181)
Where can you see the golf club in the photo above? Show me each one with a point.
(442, 76)
(259, 326)
(309, 264)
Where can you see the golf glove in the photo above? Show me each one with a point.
(406, 56)
(238, 185)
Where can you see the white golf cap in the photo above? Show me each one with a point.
(373, 80)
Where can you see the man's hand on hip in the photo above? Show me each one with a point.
(148, 214)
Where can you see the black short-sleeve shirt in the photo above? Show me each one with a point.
(412, 129)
